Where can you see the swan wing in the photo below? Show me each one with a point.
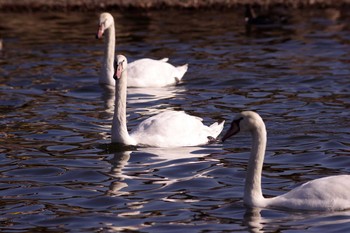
(328, 193)
(174, 129)
(165, 59)
(148, 72)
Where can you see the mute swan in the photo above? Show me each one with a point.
(167, 129)
(327, 194)
(144, 72)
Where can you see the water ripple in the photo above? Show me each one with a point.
(59, 171)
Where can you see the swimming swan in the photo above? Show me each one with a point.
(144, 72)
(167, 129)
(327, 194)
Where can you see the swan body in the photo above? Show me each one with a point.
(144, 72)
(327, 194)
(148, 72)
(167, 129)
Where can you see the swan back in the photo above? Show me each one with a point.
(148, 72)
(174, 129)
(324, 194)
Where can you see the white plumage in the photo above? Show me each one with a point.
(166, 129)
(144, 72)
(327, 194)
(174, 129)
(148, 72)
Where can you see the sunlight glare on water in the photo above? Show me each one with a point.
(59, 172)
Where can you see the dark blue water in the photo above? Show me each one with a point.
(58, 172)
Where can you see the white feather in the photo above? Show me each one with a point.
(326, 194)
(144, 72)
(166, 129)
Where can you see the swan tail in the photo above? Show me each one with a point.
(181, 72)
(216, 129)
(165, 59)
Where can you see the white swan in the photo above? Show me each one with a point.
(167, 129)
(144, 72)
(327, 194)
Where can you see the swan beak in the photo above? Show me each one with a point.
(118, 71)
(234, 129)
(100, 31)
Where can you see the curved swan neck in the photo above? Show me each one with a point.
(252, 192)
(119, 128)
(108, 60)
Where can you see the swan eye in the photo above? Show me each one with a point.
(121, 63)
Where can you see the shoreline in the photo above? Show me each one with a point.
(96, 5)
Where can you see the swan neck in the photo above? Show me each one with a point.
(119, 128)
(253, 193)
(108, 60)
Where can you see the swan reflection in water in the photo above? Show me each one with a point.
(253, 220)
(257, 220)
(143, 169)
(118, 162)
(152, 159)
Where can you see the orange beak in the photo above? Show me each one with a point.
(100, 31)
(118, 72)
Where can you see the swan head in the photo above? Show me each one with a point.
(244, 121)
(120, 64)
(106, 20)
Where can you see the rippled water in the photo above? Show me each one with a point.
(58, 172)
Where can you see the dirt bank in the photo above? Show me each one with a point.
(91, 5)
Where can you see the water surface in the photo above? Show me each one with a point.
(58, 172)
